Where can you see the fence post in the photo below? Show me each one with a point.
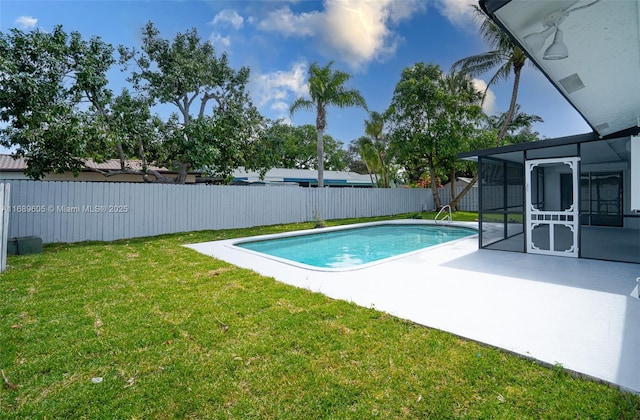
(5, 206)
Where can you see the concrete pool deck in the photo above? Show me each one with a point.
(568, 311)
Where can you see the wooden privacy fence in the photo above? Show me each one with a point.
(104, 211)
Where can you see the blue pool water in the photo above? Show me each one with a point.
(356, 246)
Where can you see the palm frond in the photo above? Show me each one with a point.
(301, 103)
(503, 73)
(374, 126)
(476, 65)
(492, 34)
(347, 98)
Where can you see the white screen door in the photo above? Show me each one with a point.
(552, 211)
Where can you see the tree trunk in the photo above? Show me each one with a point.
(370, 171)
(320, 158)
(383, 171)
(452, 190)
(434, 184)
(182, 173)
(512, 106)
(464, 192)
(121, 156)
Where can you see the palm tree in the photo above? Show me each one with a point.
(506, 55)
(326, 88)
(374, 128)
(370, 158)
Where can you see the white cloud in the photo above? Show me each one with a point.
(220, 41)
(459, 12)
(356, 31)
(400, 10)
(228, 17)
(26, 22)
(283, 20)
(489, 105)
(277, 90)
(280, 107)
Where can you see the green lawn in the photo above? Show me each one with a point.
(176, 334)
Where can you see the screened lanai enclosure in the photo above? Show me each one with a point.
(568, 197)
(576, 196)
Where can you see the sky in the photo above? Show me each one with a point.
(373, 40)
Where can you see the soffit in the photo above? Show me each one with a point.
(601, 75)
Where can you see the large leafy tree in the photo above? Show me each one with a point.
(431, 121)
(506, 57)
(54, 99)
(326, 88)
(411, 117)
(294, 147)
(216, 123)
(464, 112)
(58, 110)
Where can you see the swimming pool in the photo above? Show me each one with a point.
(352, 247)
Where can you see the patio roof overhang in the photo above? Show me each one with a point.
(600, 77)
(559, 141)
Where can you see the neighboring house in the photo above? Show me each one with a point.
(576, 196)
(302, 177)
(11, 168)
(461, 182)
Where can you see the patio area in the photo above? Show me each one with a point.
(577, 313)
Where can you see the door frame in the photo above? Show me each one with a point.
(569, 218)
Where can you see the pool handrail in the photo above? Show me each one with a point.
(447, 217)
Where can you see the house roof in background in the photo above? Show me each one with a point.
(304, 175)
(463, 179)
(10, 164)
